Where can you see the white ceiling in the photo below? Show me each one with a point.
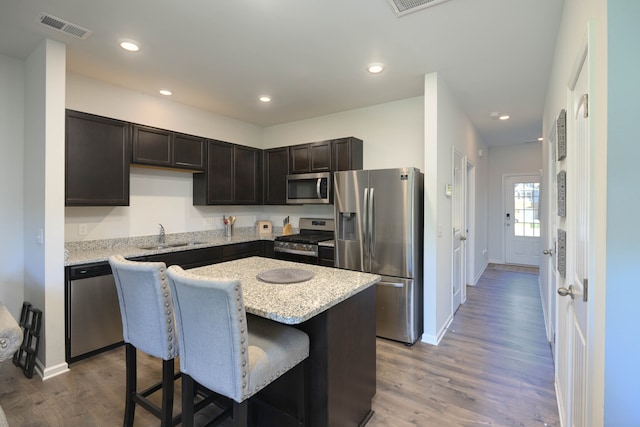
(309, 55)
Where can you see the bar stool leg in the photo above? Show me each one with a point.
(188, 390)
(130, 387)
(166, 419)
(240, 413)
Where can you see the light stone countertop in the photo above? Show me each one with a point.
(291, 303)
(85, 252)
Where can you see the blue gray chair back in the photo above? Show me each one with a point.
(212, 330)
(146, 306)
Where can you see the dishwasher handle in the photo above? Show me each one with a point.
(89, 270)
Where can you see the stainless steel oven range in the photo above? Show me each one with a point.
(303, 247)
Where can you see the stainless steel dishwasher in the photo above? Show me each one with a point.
(93, 321)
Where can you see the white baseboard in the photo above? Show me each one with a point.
(435, 339)
(52, 371)
(477, 278)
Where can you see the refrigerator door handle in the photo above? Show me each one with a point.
(365, 230)
(372, 235)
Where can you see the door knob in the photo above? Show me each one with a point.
(563, 292)
(548, 252)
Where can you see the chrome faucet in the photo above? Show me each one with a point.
(161, 236)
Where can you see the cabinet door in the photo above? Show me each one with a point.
(299, 158)
(327, 256)
(247, 175)
(152, 146)
(276, 168)
(188, 151)
(320, 156)
(97, 156)
(190, 258)
(267, 249)
(219, 173)
(241, 250)
(347, 154)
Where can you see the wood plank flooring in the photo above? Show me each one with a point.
(493, 368)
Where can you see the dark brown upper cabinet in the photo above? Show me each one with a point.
(347, 154)
(312, 157)
(233, 176)
(97, 156)
(159, 147)
(247, 175)
(276, 168)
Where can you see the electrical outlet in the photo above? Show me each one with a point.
(82, 229)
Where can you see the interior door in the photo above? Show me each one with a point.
(522, 219)
(459, 237)
(573, 308)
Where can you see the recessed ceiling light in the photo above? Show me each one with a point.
(130, 46)
(265, 98)
(504, 117)
(166, 92)
(375, 68)
(541, 139)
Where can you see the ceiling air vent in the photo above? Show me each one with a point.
(404, 7)
(64, 26)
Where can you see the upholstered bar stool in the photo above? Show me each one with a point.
(224, 351)
(147, 313)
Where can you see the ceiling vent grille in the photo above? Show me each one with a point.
(404, 7)
(64, 26)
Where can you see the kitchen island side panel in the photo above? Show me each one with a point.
(341, 374)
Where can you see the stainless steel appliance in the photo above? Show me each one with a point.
(379, 219)
(93, 311)
(309, 188)
(303, 247)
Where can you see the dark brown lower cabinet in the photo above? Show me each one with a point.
(190, 258)
(342, 374)
(327, 256)
(241, 250)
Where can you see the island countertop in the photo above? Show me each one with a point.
(290, 303)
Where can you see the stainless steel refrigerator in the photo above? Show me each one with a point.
(379, 229)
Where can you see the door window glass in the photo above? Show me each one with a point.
(526, 200)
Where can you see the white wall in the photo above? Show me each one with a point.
(393, 132)
(525, 159)
(622, 370)
(44, 197)
(577, 16)
(11, 188)
(446, 126)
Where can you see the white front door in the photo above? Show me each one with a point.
(522, 219)
(458, 213)
(572, 374)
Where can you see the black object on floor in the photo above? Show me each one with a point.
(30, 323)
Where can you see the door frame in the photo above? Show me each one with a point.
(471, 225)
(463, 212)
(505, 178)
(550, 231)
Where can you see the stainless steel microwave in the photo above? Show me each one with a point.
(309, 188)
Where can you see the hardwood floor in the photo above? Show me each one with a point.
(493, 368)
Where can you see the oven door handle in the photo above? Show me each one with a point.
(296, 252)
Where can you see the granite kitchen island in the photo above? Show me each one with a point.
(336, 308)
